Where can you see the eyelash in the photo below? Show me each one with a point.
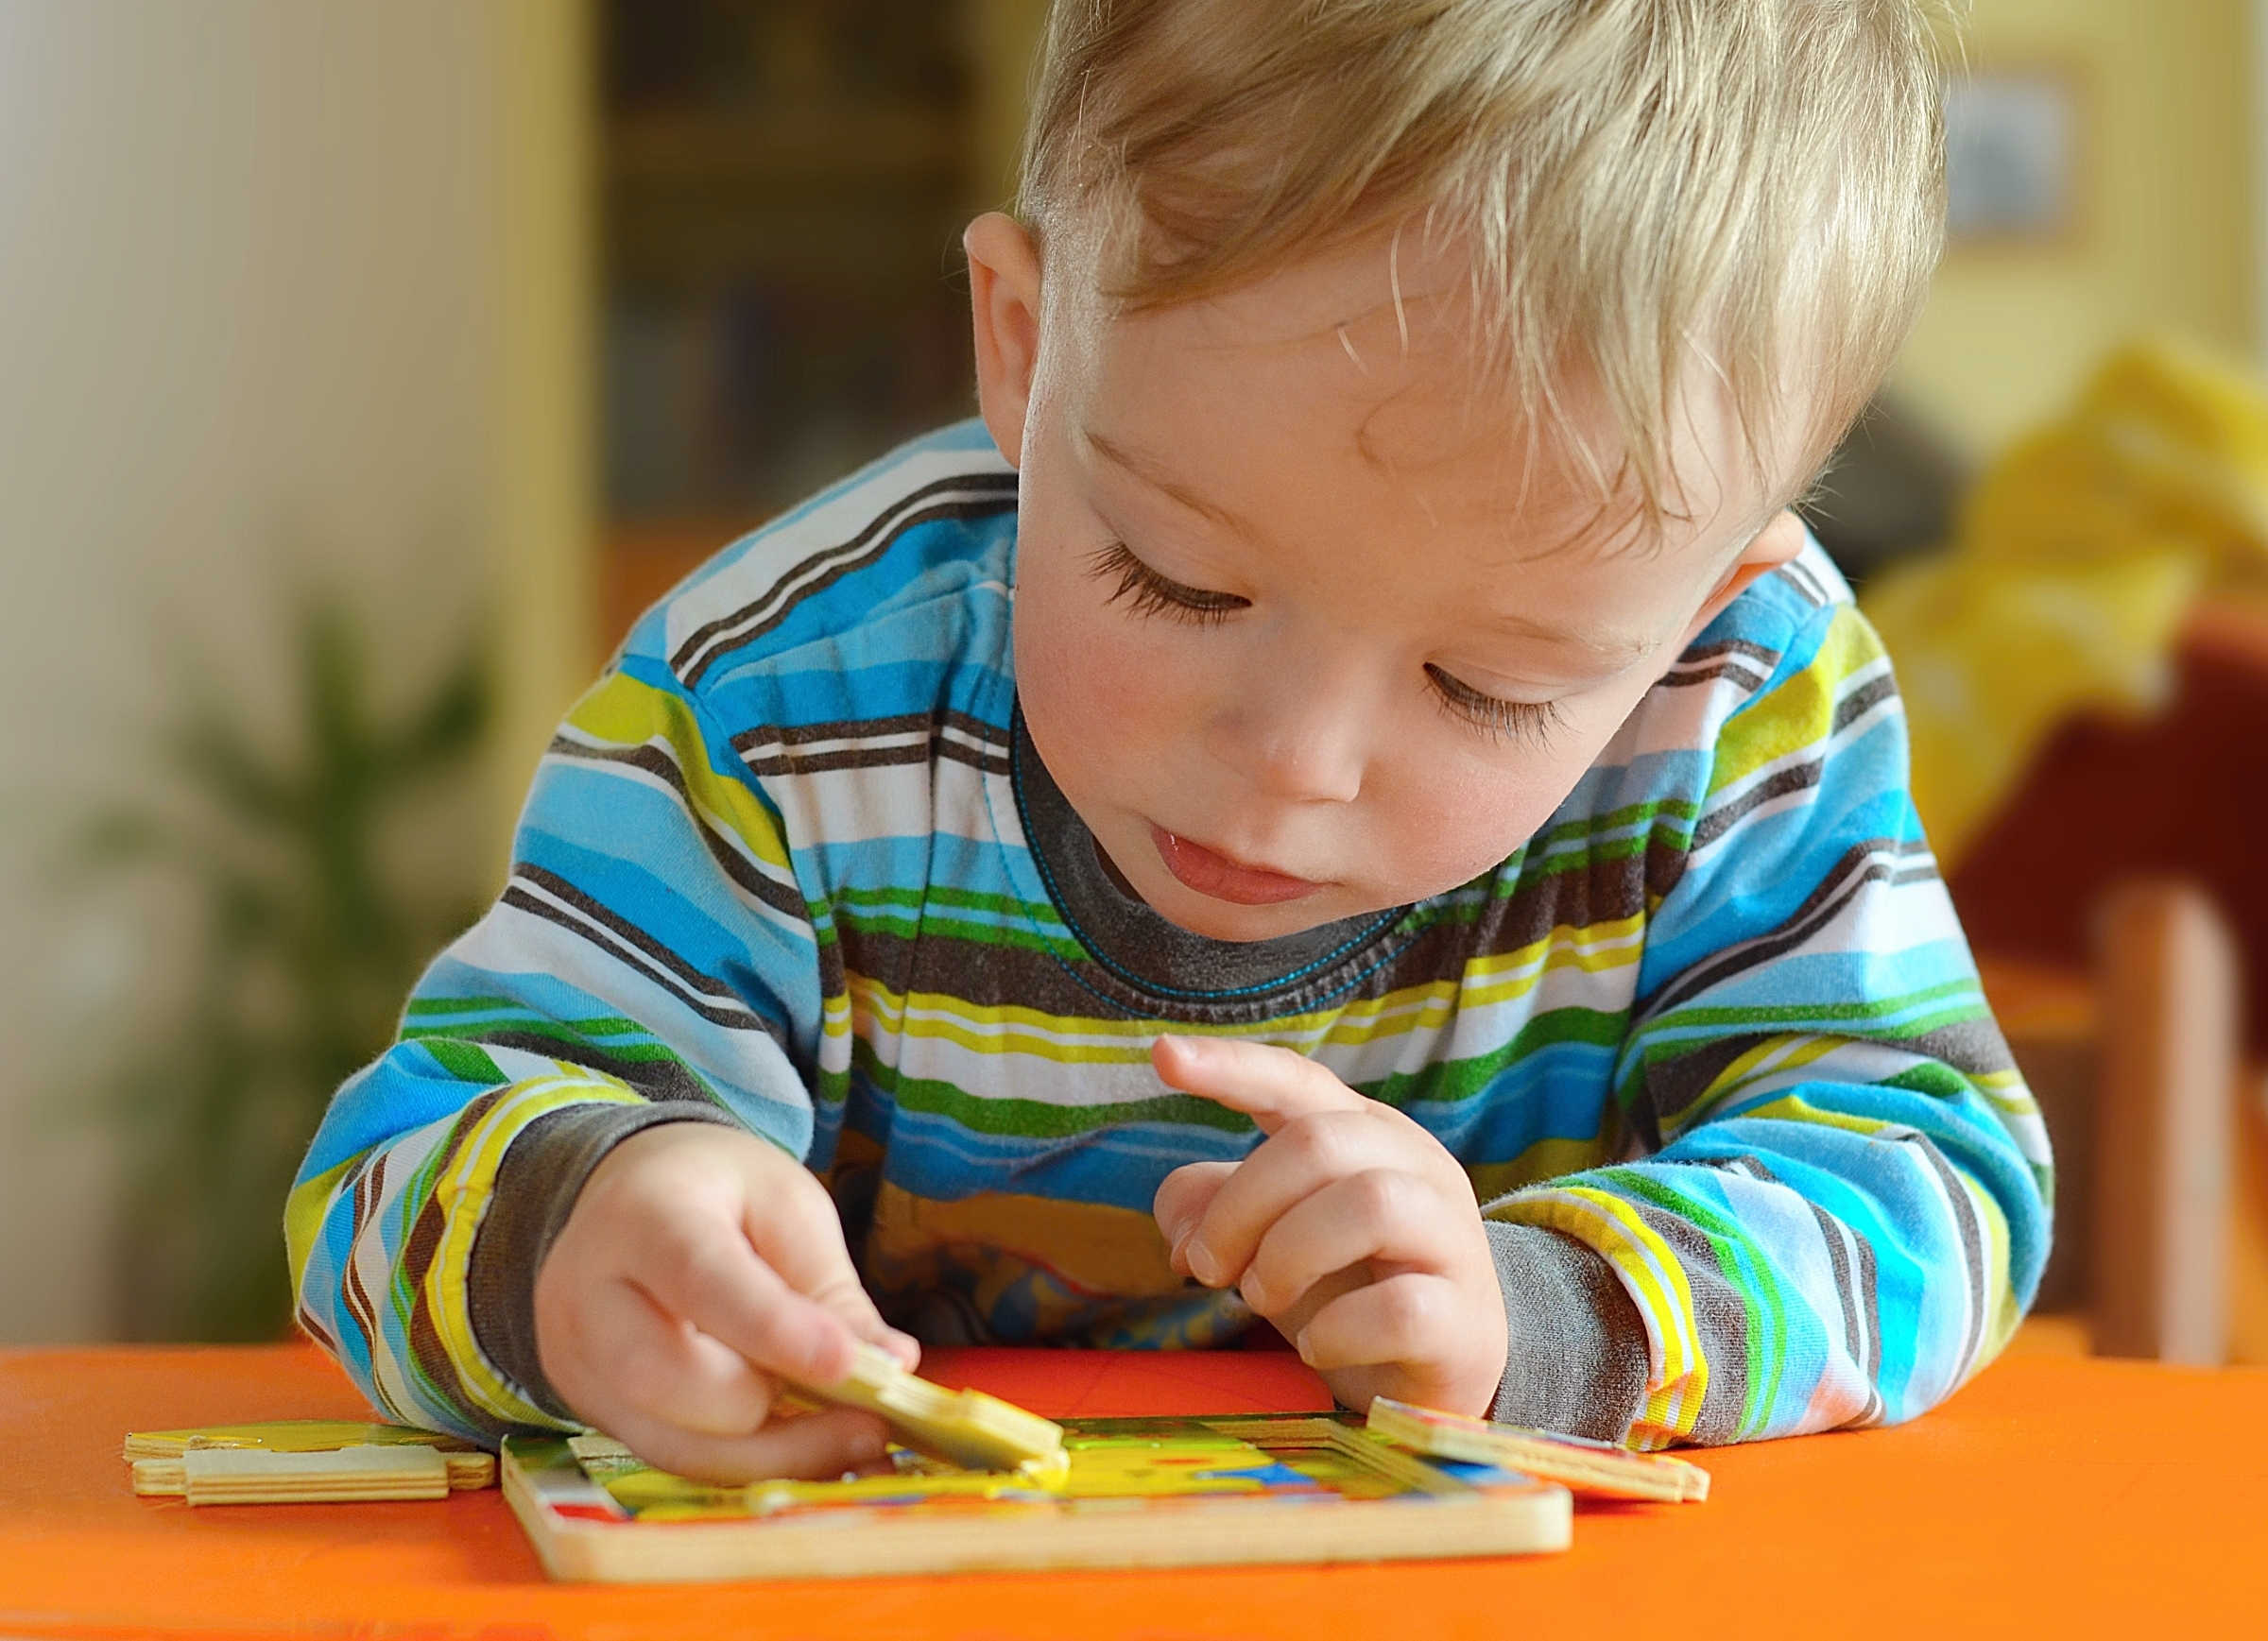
(1145, 592)
(1499, 720)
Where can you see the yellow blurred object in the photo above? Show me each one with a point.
(2080, 555)
(1990, 657)
(2168, 451)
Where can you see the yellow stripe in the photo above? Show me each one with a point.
(1587, 946)
(462, 1190)
(2002, 1312)
(1009, 1029)
(304, 1211)
(1546, 1159)
(1794, 1108)
(624, 713)
(1801, 711)
(1649, 1267)
(1773, 1057)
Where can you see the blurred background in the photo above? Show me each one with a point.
(366, 366)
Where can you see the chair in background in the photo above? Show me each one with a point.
(2119, 903)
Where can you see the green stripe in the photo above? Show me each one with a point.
(1036, 1119)
(1756, 1015)
(466, 1061)
(941, 895)
(646, 1053)
(991, 935)
(1446, 1082)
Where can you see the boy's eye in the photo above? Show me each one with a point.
(1502, 720)
(1144, 591)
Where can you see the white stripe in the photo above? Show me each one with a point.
(761, 577)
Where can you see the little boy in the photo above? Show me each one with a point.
(1345, 800)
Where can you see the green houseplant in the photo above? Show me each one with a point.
(303, 940)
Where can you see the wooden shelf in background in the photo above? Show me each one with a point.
(800, 148)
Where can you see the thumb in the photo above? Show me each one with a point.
(856, 1308)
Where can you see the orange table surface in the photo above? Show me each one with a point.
(2051, 1497)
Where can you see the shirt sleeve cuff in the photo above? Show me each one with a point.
(1577, 1358)
(542, 1173)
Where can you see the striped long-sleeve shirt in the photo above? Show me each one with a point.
(1710, 1045)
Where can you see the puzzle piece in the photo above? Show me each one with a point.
(305, 1461)
(1585, 1466)
(965, 1427)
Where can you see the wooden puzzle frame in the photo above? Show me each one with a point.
(1240, 1489)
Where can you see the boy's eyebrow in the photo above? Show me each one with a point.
(1139, 467)
(1610, 643)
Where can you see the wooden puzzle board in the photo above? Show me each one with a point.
(1140, 1493)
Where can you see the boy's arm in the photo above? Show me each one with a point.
(1838, 1203)
(651, 960)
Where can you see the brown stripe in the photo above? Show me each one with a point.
(369, 1189)
(415, 1265)
(987, 975)
(870, 729)
(917, 752)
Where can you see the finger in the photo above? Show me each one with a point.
(792, 1225)
(1303, 1159)
(1271, 1085)
(1389, 1217)
(1182, 1200)
(1291, 1319)
(818, 1448)
(1412, 1321)
(711, 1277)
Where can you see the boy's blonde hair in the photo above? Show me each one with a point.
(1654, 191)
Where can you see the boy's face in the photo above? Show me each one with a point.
(1302, 630)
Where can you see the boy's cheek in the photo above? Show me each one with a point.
(1445, 821)
(1096, 697)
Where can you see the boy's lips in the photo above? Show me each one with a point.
(1213, 874)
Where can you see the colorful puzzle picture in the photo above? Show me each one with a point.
(1134, 1492)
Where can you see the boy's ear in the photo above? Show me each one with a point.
(1004, 295)
(1775, 544)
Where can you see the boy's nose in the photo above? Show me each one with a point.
(1294, 742)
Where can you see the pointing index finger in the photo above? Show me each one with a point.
(1271, 1085)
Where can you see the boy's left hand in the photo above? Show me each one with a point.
(1349, 1228)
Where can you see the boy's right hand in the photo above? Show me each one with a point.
(698, 1262)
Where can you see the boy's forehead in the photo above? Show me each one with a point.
(1370, 358)
(1418, 293)
(1372, 352)
(1242, 447)
(1323, 359)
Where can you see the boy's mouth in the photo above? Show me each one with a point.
(1213, 874)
